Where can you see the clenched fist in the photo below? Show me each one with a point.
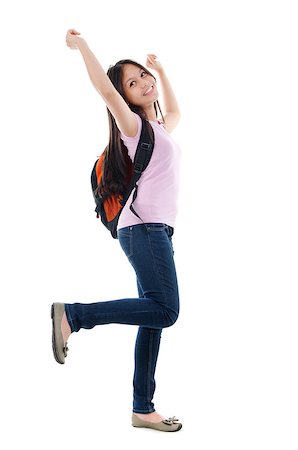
(72, 38)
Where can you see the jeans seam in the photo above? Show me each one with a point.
(130, 243)
(127, 235)
(149, 399)
(155, 268)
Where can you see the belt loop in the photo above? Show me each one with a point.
(170, 231)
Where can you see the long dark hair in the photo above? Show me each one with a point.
(118, 166)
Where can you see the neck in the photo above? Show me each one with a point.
(150, 111)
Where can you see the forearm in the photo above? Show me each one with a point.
(169, 98)
(97, 75)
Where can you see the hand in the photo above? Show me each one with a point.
(153, 63)
(72, 39)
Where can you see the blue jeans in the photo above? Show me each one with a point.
(150, 252)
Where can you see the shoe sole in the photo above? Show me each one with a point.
(155, 428)
(54, 346)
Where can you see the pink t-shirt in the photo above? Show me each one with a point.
(157, 199)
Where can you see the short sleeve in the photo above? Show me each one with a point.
(132, 142)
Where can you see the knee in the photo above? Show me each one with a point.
(170, 318)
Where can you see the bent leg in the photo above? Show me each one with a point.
(148, 248)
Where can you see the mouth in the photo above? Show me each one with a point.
(149, 90)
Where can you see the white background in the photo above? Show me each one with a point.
(228, 368)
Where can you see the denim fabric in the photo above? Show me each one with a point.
(150, 252)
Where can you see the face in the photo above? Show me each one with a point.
(139, 87)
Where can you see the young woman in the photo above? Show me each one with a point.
(129, 91)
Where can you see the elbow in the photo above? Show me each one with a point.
(178, 116)
(172, 120)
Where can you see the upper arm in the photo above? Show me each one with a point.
(124, 117)
(171, 120)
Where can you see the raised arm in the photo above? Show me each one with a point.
(125, 118)
(172, 112)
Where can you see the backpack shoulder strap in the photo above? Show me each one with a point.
(144, 149)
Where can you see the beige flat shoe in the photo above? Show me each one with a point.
(171, 424)
(59, 348)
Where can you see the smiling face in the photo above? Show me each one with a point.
(139, 86)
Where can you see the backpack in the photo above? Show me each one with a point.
(109, 208)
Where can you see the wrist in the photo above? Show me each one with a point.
(161, 73)
(81, 43)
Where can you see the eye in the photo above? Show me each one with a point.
(132, 83)
(143, 74)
